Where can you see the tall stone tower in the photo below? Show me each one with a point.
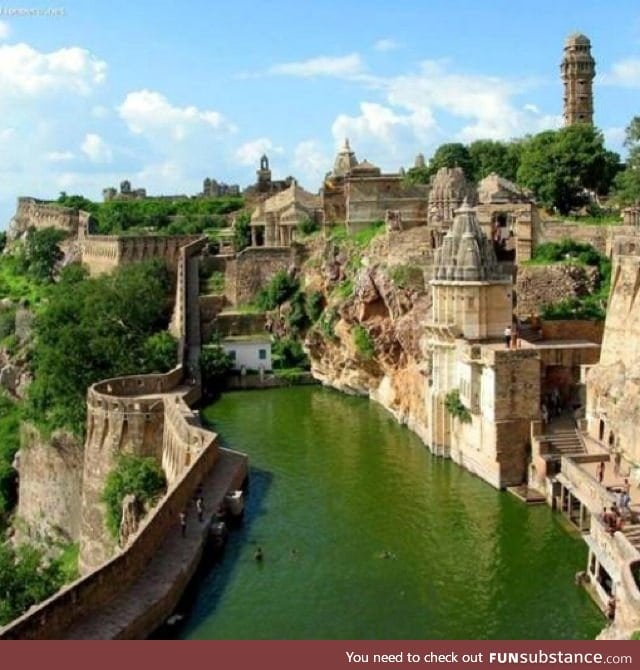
(578, 68)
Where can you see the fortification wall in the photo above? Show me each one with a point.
(253, 269)
(34, 213)
(51, 618)
(599, 236)
(103, 253)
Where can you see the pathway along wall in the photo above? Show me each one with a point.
(145, 414)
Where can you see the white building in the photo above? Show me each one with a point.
(251, 352)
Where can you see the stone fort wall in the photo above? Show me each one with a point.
(34, 213)
(145, 415)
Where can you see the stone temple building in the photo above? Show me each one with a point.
(358, 193)
(275, 221)
(498, 386)
(578, 69)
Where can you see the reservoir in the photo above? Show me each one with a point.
(366, 535)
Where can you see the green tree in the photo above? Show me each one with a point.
(137, 475)
(42, 253)
(451, 155)
(89, 330)
(215, 364)
(489, 156)
(160, 352)
(627, 182)
(561, 166)
(242, 231)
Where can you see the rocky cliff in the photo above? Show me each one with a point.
(368, 341)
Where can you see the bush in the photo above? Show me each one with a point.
(137, 475)
(455, 407)
(215, 364)
(314, 304)
(277, 291)
(9, 444)
(328, 322)
(364, 343)
(308, 226)
(288, 353)
(26, 578)
(160, 352)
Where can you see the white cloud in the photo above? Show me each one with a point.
(250, 153)
(386, 44)
(625, 73)
(327, 66)
(27, 72)
(149, 112)
(59, 156)
(310, 161)
(7, 134)
(614, 137)
(95, 148)
(4, 30)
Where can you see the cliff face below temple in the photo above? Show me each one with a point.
(369, 342)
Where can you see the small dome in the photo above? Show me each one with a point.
(577, 38)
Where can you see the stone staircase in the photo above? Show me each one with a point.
(529, 333)
(565, 443)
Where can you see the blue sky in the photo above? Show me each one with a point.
(166, 93)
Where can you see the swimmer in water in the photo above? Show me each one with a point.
(258, 555)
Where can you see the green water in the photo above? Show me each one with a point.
(335, 483)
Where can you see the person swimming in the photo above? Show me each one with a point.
(258, 555)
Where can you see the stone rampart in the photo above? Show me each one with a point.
(39, 214)
(103, 253)
(51, 618)
(599, 236)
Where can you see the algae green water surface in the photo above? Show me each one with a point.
(366, 535)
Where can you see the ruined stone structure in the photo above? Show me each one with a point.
(39, 214)
(125, 193)
(358, 193)
(578, 69)
(275, 220)
(212, 189)
(265, 185)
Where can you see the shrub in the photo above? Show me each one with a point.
(7, 323)
(314, 304)
(363, 341)
(160, 352)
(215, 364)
(288, 353)
(277, 291)
(328, 322)
(137, 475)
(455, 406)
(308, 226)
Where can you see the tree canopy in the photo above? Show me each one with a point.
(562, 166)
(93, 329)
(627, 182)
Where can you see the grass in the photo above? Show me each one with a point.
(214, 285)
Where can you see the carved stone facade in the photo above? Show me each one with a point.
(499, 386)
(213, 189)
(358, 193)
(448, 189)
(578, 69)
(275, 221)
(125, 193)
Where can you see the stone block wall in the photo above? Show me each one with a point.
(252, 270)
(591, 331)
(39, 214)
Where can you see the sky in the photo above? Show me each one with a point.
(166, 93)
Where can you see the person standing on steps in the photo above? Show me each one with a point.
(183, 523)
(200, 508)
(507, 336)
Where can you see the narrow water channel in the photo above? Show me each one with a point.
(366, 535)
